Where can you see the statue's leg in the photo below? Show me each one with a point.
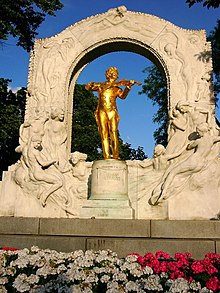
(54, 181)
(47, 193)
(103, 129)
(113, 126)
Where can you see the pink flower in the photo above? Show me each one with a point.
(176, 274)
(213, 284)
(197, 267)
(172, 266)
(161, 254)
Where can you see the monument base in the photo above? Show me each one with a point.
(108, 208)
(109, 192)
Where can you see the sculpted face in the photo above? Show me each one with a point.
(112, 73)
(61, 116)
(159, 150)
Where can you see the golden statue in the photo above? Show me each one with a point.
(107, 117)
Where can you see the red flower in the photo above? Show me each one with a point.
(197, 267)
(213, 284)
(161, 254)
(176, 274)
(9, 248)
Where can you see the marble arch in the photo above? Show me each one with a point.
(182, 54)
(181, 182)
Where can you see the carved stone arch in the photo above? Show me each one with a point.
(98, 50)
(183, 55)
(185, 181)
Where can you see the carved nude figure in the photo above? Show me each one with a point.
(56, 136)
(178, 129)
(194, 163)
(203, 87)
(80, 166)
(39, 170)
(160, 160)
(106, 115)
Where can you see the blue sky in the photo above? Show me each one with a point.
(136, 111)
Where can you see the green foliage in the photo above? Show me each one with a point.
(21, 19)
(85, 135)
(155, 88)
(126, 152)
(207, 3)
(12, 107)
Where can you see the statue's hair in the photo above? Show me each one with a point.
(55, 112)
(110, 70)
(182, 103)
(159, 147)
(79, 156)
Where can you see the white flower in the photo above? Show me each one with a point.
(3, 289)
(131, 258)
(120, 276)
(35, 249)
(104, 279)
(195, 286)
(205, 290)
(3, 280)
(33, 279)
(132, 286)
(152, 283)
(21, 284)
(179, 285)
(134, 268)
(147, 271)
(46, 270)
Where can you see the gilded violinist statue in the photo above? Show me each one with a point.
(107, 117)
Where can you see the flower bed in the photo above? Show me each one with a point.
(38, 270)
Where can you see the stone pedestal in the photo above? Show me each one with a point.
(109, 191)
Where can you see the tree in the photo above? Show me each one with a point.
(12, 107)
(155, 88)
(21, 19)
(85, 135)
(207, 3)
(126, 152)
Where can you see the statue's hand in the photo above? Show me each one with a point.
(89, 85)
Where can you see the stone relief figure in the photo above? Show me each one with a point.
(194, 163)
(107, 117)
(199, 115)
(178, 129)
(160, 160)
(27, 130)
(80, 171)
(114, 17)
(80, 166)
(203, 88)
(40, 171)
(180, 64)
(56, 136)
(55, 56)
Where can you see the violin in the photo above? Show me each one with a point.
(125, 82)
